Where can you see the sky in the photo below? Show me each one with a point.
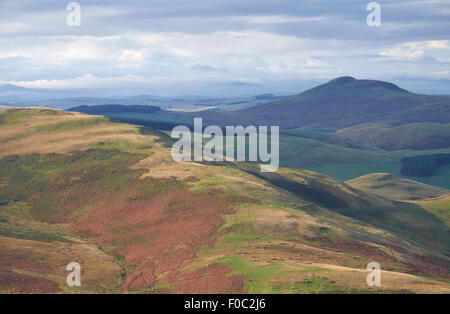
(222, 47)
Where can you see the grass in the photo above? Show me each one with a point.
(386, 185)
(30, 235)
(263, 278)
(409, 136)
(340, 162)
(325, 232)
(16, 222)
(256, 274)
(16, 116)
(440, 207)
(311, 285)
(72, 125)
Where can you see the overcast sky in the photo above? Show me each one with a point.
(223, 47)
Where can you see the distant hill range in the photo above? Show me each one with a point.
(370, 112)
(107, 109)
(346, 101)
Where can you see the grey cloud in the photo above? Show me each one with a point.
(207, 68)
(336, 30)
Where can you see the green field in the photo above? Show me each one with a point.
(345, 163)
(386, 185)
(417, 136)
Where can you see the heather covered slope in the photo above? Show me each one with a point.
(346, 101)
(107, 195)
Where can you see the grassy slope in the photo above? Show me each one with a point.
(386, 185)
(418, 136)
(345, 163)
(109, 194)
(439, 206)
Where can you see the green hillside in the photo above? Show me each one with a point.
(416, 136)
(344, 161)
(388, 186)
(439, 206)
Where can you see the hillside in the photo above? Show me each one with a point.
(345, 102)
(384, 184)
(81, 188)
(346, 159)
(322, 151)
(438, 206)
(417, 136)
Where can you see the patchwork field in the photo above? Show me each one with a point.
(79, 188)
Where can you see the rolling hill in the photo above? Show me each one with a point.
(112, 109)
(437, 206)
(338, 156)
(107, 195)
(386, 185)
(345, 102)
(417, 136)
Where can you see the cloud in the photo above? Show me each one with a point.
(131, 55)
(276, 19)
(85, 81)
(250, 40)
(431, 44)
(207, 68)
(316, 62)
(417, 50)
(403, 53)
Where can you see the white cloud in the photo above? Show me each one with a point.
(430, 44)
(130, 41)
(91, 81)
(417, 50)
(275, 19)
(61, 49)
(314, 62)
(401, 53)
(131, 55)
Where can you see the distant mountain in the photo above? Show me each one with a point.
(268, 97)
(38, 97)
(345, 102)
(12, 93)
(9, 88)
(145, 97)
(66, 98)
(106, 109)
(64, 103)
